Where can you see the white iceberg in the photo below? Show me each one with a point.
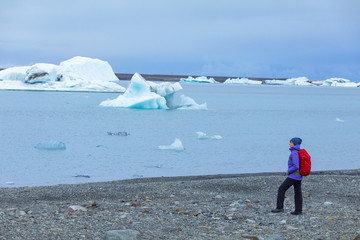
(175, 146)
(50, 145)
(244, 81)
(340, 82)
(300, 81)
(201, 79)
(75, 74)
(142, 94)
(339, 120)
(204, 136)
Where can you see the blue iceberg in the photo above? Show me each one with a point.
(50, 145)
(142, 94)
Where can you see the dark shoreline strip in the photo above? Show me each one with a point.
(348, 172)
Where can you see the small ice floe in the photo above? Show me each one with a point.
(203, 136)
(175, 146)
(201, 79)
(123, 133)
(50, 145)
(244, 81)
(81, 176)
(339, 120)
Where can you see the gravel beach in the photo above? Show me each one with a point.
(195, 207)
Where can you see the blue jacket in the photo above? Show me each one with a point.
(294, 163)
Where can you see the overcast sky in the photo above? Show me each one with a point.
(256, 38)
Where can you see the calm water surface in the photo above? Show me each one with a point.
(256, 123)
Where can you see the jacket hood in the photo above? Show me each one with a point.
(296, 147)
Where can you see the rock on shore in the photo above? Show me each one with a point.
(202, 207)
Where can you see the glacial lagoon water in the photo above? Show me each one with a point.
(255, 122)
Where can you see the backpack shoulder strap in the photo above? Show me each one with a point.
(297, 172)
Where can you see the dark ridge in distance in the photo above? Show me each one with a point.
(176, 78)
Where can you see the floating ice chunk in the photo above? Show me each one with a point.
(339, 120)
(339, 82)
(244, 81)
(203, 136)
(50, 145)
(142, 94)
(300, 81)
(189, 103)
(175, 146)
(216, 137)
(201, 79)
(81, 176)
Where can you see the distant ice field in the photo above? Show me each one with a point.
(255, 123)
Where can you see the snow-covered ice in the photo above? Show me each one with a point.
(201, 79)
(142, 94)
(204, 136)
(75, 74)
(175, 146)
(244, 81)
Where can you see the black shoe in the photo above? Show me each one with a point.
(296, 213)
(277, 210)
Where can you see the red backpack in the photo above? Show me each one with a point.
(305, 162)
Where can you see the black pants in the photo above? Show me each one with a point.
(298, 194)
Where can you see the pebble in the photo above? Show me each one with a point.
(250, 221)
(283, 222)
(77, 208)
(122, 235)
(143, 205)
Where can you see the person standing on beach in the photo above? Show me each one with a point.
(293, 179)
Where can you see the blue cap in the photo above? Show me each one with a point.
(296, 141)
